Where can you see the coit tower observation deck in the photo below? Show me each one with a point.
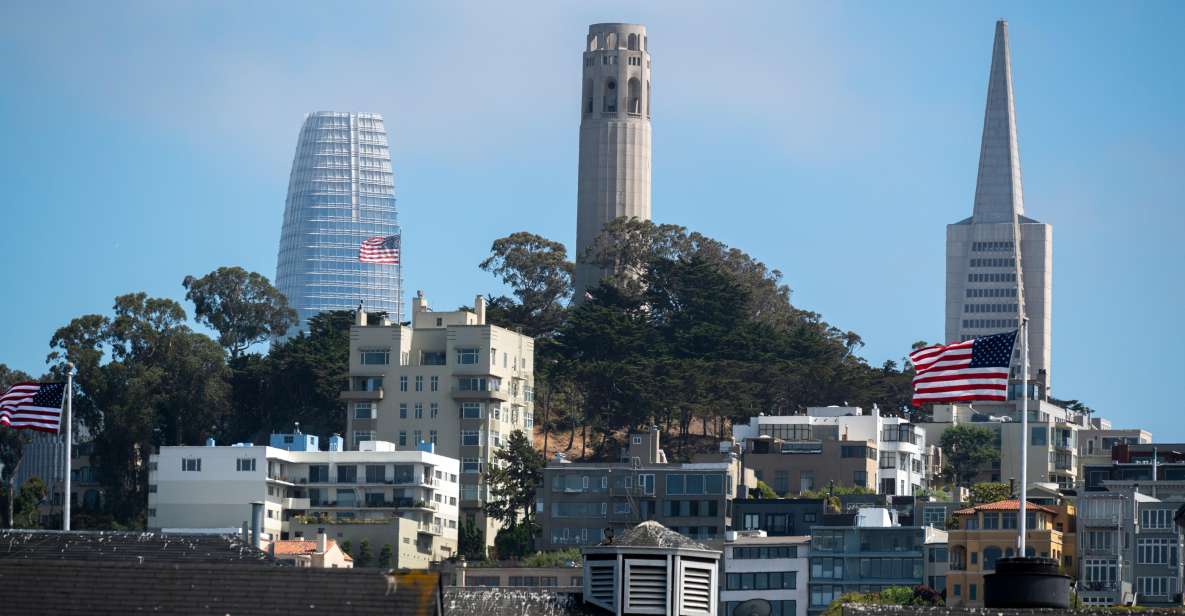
(614, 177)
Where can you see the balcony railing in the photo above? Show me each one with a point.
(353, 395)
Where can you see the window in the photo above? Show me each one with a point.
(417, 437)
(822, 596)
(990, 556)
(347, 474)
(1040, 436)
(1099, 541)
(433, 410)
(245, 464)
(470, 465)
(646, 482)
(375, 357)
(470, 410)
(1102, 573)
(495, 438)
(621, 507)
(467, 357)
(432, 436)
(375, 473)
(826, 568)
(419, 383)
(1156, 518)
(470, 437)
(403, 383)
(363, 410)
(403, 438)
(191, 464)
(971, 591)
(434, 383)
(432, 358)
(419, 410)
(363, 435)
(1156, 586)
(934, 517)
(1156, 551)
(636, 439)
(860, 479)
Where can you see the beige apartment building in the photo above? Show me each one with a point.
(450, 381)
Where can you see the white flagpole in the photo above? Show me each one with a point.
(1022, 514)
(67, 419)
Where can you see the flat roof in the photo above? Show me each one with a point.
(751, 540)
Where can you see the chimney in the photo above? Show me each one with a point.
(479, 306)
(360, 316)
(257, 524)
(322, 541)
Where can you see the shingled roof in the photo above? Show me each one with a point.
(132, 546)
(92, 572)
(77, 587)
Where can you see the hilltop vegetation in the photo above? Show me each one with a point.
(684, 332)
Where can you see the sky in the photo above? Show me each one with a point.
(141, 142)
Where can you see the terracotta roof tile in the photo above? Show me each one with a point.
(1004, 505)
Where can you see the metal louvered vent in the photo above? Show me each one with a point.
(602, 584)
(646, 586)
(696, 598)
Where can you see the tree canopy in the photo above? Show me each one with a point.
(243, 307)
(968, 450)
(684, 332)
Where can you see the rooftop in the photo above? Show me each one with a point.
(1004, 505)
(76, 587)
(139, 547)
(654, 535)
(297, 547)
(751, 540)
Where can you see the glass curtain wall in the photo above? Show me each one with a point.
(341, 192)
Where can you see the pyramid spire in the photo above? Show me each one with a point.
(999, 196)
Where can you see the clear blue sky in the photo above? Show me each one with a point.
(140, 142)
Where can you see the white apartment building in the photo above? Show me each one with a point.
(901, 446)
(771, 568)
(450, 379)
(406, 499)
(1053, 449)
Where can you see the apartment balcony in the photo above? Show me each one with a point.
(469, 394)
(1109, 520)
(431, 529)
(410, 505)
(361, 396)
(295, 503)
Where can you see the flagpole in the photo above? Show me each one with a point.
(68, 419)
(1022, 515)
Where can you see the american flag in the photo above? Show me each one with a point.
(379, 250)
(34, 406)
(975, 369)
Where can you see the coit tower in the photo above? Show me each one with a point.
(614, 172)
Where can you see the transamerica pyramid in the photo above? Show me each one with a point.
(991, 281)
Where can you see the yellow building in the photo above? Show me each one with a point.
(986, 533)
